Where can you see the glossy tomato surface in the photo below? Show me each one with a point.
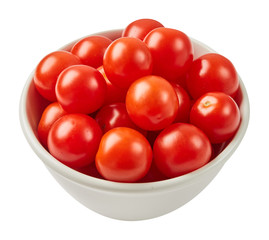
(81, 89)
(152, 103)
(74, 139)
(184, 103)
(171, 51)
(140, 28)
(51, 113)
(114, 115)
(114, 94)
(124, 155)
(126, 60)
(48, 70)
(212, 72)
(181, 148)
(217, 115)
(91, 49)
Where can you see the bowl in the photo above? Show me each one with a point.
(126, 201)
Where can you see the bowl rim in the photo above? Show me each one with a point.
(149, 187)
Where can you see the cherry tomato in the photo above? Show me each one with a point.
(81, 89)
(74, 139)
(140, 28)
(48, 70)
(51, 113)
(90, 50)
(218, 148)
(153, 175)
(114, 115)
(217, 115)
(152, 103)
(212, 73)
(125, 60)
(114, 94)
(90, 170)
(152, 135)
(181, 148)
(184, 103)
(124, 155)
(171, 51)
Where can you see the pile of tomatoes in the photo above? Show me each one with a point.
(138, 108)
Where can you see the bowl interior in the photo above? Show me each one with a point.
(32, 106)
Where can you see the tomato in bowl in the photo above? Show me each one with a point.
(121, 200)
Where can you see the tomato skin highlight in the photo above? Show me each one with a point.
(48, 70)
(181, 148)
(140, 28)
(152, 103)
(126, 60)
(114, 94)
(81, 89)
(212, 72)
(91, 49)
(217, 115)
(171, 51)
(184, 103)
(74, 139)
(50, 114)
(124, 155)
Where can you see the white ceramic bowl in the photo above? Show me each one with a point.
(126, 201)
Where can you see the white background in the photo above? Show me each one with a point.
(34, 206)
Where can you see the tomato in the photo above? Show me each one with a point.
(184, 103)
(171, 51)
(212, 72)
(114, 94)
(81, 89)
(124, 155)
(217, 115)
(153, 175)
(152, 103)
(48, 70)
(125, 60)
(152, 135)
(218, 148)
(181, 148)
(90, 170)
(90, 50)
(74, 139)
(114, 115)
(140, 28)
(51, 113)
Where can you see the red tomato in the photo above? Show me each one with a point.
(218, 148)
(90, 170)
(90, 50)
(152, 103)
(181, 148)
(48, 70)
(212, 73)
(140, 28)
(74, 139)
(217, 115)
(184, 103)
(124, 155)
(126, 60)
(152, 135)
(153, 175)
(51, 113)
(171, 51)
(114, 115)
(114, 94)
(81, 89)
